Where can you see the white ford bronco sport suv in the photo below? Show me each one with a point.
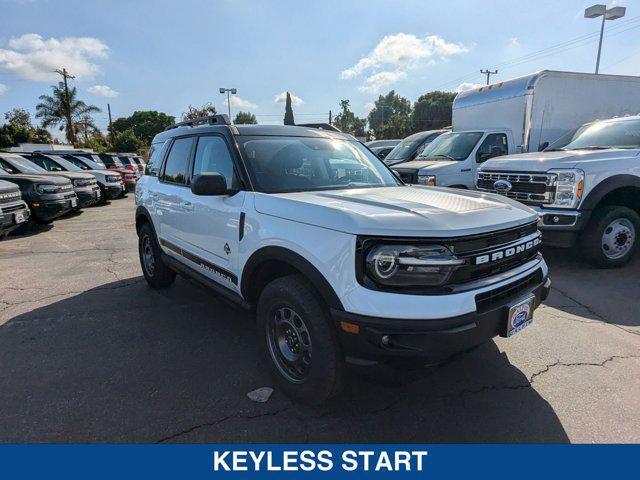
(586, 188)
(338, 258)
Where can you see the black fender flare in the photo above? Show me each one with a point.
(141, 211)
(607, 186)
(296, 261)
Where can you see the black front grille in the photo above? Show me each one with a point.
(477, 243)
(518, 187)
(13, 208)
(408, 176)
(498, 296)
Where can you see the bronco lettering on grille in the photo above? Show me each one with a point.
(504, 253)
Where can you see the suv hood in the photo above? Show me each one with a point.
(72, 175)
(38, 178)
(7, 187)
(415, 211)
(543, 161)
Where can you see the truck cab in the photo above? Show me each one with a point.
(453, 158)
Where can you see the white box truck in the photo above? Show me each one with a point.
(521, 115)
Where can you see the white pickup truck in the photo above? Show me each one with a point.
(520, 115)
(586, 189)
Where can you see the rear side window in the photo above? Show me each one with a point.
(212, 156)
(156, 155)
(175, 169)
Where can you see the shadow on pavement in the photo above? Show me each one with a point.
(123, 363)
(583, 285)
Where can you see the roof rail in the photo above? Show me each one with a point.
(211, 120)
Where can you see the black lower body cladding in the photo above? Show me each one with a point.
(47, 210)
(435, 339)
(112, 192)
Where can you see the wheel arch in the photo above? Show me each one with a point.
(143, 216)
(623, 190)
(268, 263)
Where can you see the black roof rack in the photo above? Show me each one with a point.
(210, 120)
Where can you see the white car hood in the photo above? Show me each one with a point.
(543, 161)
(398, 211)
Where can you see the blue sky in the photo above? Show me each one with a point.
(164, 55)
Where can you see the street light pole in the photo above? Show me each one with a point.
(228, 91)
(596, 11)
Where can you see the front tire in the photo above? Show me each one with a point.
(299, 341)
(612, 236)
(156, 272)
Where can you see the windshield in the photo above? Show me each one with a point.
(601, 135)
(67, 165)
(301, 164)
(84, 163)
(452, 146)
(404, 150)
(24, 165)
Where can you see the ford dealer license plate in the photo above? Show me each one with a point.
(520, 316)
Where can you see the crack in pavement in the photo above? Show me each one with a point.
(594, 313)
(186, 431)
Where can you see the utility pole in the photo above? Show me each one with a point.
(488, 73)
(71, 135)
(113, 140)
(329, 117)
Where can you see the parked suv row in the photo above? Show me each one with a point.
(338, 259)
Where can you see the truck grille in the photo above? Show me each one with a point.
(409, 176)
(12, 208)
(529, 188)
(486, 300)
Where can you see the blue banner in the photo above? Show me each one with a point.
(318, 461)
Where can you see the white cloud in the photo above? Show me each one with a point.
(375, 82)
(282, 98)
(464, 86)
(102, 90)
(34, 58)
(403, 49)
(3, 89)
(237, 101)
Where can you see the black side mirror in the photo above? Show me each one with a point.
(209, 184)
(543, 146)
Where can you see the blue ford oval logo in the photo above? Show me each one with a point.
(502, 185)
(520, 317)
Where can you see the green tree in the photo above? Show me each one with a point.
(348, 122)
(63, 109)
(246, 118)
(396, 126)
(145, 124)
(288, 112)
(86, 127)
(19, 129)
(97, 141)
(432, 111)
(20, 117)
(193, 112)
(385, 107)
(128, 141)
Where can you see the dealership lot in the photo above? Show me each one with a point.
(88, 353)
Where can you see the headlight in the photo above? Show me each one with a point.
(82, 182)
(411, 265)
(113, 178)
(427, 180)
(43, 188)
(569, 188)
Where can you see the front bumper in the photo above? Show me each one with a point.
(113, 191)
(49, 209)
(436, 339)
(560, 228)
(10, 214)
(88, 195)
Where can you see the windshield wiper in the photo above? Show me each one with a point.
(448, 157)
(593, 147)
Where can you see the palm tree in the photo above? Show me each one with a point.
(64, 109)
(85, 126)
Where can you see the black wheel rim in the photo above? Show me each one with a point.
(289, 342)
(148, 259)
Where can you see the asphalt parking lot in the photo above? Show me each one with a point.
(88, 353)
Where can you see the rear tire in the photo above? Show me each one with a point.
(156, 272)
(300, 344)
(611, 237)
